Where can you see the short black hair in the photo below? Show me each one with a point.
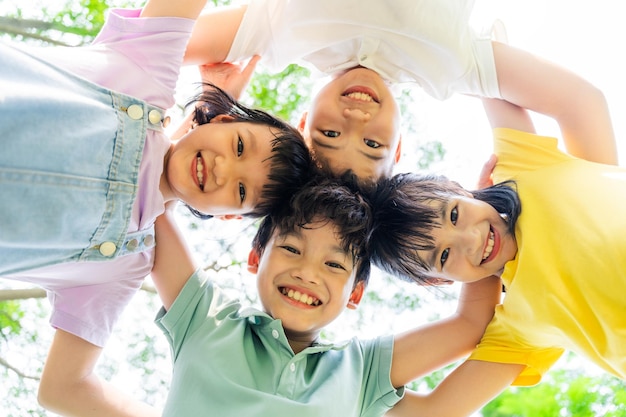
(291, 163)
(325, 199)
(404, 218)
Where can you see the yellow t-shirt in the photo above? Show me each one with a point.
(566, 287)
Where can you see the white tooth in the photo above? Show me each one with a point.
(297, 296)
(309, 300)
(490, 244)
(290, 294)
(360, 96)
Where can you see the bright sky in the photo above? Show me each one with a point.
(585, 37)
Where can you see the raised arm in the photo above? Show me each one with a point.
(189, 9)
(430, 347)
(464, 391)
(174, 263)
(70, 387)
(578, 107)
(213, 35)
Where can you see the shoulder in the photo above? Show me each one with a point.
(519, 151)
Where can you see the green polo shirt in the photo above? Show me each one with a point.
(230, 361)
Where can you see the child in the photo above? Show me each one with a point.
(311, 261)
(85, 171)
(552, 231)
(354, 122)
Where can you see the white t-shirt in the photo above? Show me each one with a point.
(429, 42)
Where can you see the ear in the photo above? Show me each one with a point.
(253, 261)
(357, 294)
(222, 118)
(399, 150)
(302, 122)
(230, 217)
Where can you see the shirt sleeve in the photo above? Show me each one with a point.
(91, 311)
(139, 56)
(200, 304)
(379, 395)
(256, 33)
(519, 151)
(499, 345)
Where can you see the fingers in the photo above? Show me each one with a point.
(485, 180)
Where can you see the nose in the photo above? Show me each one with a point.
(223, 170)
(306, 272)
(357, 115)
(471, 241)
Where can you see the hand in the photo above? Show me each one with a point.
(230, 77)
(485, 180)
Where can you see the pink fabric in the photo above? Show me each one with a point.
(140, 57)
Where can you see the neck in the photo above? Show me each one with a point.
(300, 342)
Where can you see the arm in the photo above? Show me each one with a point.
(174, 263)
(430, 347)
(188, 9)
(213, 35)
(68, 373)
(464, 391)
(579, 108)
(502, 113)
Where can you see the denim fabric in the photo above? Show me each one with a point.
(69, 160)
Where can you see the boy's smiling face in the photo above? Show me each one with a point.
(306, 279)
(354, 123)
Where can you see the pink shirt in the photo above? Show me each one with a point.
(140, 57)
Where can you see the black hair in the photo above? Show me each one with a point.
(404, 218)
(291, 164)
(325, 199)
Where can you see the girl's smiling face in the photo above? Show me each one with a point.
(472, 243)
(219, 168)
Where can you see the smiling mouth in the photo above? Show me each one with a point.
(200, 171)
(491, 242)
(300, 297)
(362, 94)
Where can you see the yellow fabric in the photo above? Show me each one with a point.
(566, 288)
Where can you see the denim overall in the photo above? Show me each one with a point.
(69, 161)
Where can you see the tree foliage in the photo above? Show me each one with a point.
(138, 357)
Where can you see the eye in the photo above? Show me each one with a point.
(444, 257)
(371, 143)
(239, 146)
(242, 193)
(454, 215)
(290, 249)
(330, 133)
(335, 265)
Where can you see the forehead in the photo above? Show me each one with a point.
(322, 233)
(340, 160)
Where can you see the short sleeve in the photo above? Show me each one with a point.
(91, 311)
(519, 151)
(200, 304)
(499, 344)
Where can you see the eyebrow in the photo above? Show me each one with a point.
(317, 142)
(297, 233)
(252, 139)
(432, 259)
(254, 191)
